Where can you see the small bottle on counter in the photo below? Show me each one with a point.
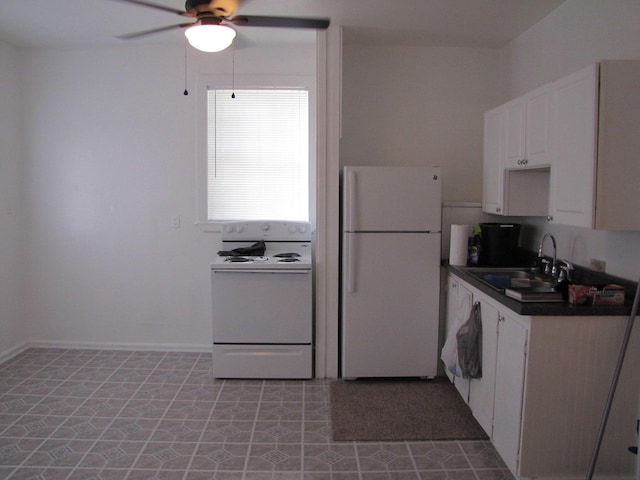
(473, 251)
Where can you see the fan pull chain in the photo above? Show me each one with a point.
(233, 70)
(186, 92)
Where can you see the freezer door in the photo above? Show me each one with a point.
(390, 305)
(392, 199)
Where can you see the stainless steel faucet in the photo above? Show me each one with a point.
(550, 268)
(566, 267)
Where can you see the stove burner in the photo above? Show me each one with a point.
(238, 259)
(246, 259)
(287, 255)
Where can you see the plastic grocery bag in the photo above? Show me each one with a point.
(469, 342)
(449, 354)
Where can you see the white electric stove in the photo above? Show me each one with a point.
(261, 283)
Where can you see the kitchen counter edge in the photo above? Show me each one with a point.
(541, 308)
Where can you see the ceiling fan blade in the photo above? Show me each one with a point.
(282, 22)
(156, 6)
(130, 36)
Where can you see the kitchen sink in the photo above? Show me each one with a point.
(522, 284)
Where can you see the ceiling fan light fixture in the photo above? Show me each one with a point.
(210, 38)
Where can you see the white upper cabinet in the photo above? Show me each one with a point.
(492, 169)
(516, 157)
(539, 132)
(573, 173)
(594, 182)
(528, 139)
(515, 133)
(569, 150)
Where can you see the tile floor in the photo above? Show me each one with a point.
(83, 414)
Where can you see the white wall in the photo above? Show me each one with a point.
(109, 160)
(407, 105)
(105, 157)
(576, 34)
(12, 327)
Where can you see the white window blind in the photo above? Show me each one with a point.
(258, 154)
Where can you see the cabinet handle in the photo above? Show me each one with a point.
(523, 162)
(549, 218)
(498, 210)
(501, 318)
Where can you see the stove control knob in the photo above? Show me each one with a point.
(302, 228)
(292, 229)
(265, 227)
(228, 228)
(240, 228)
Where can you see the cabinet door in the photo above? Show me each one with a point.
(459, 302)
(515, 137)
(574, 145)
(528, 128)
(509, 391)
(539, 108)
(463, 310)
(450, 322)
(481, 391)
(618, 170)
(492, 170)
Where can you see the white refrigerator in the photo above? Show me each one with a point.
(390, 283)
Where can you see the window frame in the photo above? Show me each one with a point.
(208, 82)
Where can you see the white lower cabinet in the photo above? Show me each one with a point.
(459, 302)
(509, 390)
(482, 390)
(544, 386)
(496, 399)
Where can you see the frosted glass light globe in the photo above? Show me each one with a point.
(210, 38)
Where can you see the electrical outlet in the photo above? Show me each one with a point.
(598, 265)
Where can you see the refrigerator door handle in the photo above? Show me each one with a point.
(351, 264)
(351, 201)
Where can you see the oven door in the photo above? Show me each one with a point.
(262, 306)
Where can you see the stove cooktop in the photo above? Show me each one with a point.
(284, 245)
(276, 255)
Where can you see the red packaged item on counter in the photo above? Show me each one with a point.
(596, 294)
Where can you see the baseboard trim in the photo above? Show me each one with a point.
(133, 346)
(13, 351)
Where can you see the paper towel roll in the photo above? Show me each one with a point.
(459, 241)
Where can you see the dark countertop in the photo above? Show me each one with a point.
(556, 309)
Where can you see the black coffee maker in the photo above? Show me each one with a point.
(499, 244)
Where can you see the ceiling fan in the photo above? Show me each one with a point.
(211, 31)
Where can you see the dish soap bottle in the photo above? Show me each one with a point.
(473, 255)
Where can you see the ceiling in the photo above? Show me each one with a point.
(460, 23)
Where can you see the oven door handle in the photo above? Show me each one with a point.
(264, 270)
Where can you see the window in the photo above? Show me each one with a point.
(258, 154)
